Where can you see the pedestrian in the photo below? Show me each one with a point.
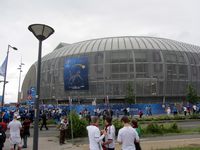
(185, 110)
(138, 129)
(168, 111)
(15, 139)
(127, 136)
(63, 127)
(135, 125)
(2, 137)
(94, 134)
(109, 142)
(26, 131)
(3, 125)
(44, 121)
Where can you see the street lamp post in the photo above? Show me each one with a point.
(4, 81)
(20, 72)
(41, 32)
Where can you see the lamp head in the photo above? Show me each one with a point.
(41, 31)
(14, 48)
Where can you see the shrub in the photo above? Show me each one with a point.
(118, 125)
(154, 128)
(79, 126)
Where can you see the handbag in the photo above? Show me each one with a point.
(137, 146)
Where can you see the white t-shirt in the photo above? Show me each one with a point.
(127, 135)
(95, 137)
(14, 127)
(110, 136)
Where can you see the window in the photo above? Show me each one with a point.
(140, 56)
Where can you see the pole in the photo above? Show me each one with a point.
(4, 82)
(71, 122)
(36, 120)
(20, 71)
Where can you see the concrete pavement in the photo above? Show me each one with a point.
(151, 143)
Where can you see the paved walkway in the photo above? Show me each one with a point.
(51, 143)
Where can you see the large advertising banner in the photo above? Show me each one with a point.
(76, 73)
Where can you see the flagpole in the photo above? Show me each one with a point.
(4, 82)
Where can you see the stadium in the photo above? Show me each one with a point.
(158, 69)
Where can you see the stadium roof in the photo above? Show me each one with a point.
(120, 43)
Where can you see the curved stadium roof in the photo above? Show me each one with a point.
(120, 43)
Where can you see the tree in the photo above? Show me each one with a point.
(130, 96)
(191, 96)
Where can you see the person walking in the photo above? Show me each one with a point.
(63, 127)
(2, 137)
(44, 121)
(15, 139)
(127, 136)
(94, 134)
(138, 129)
(3, 125)
(26, 131)
(109, 142)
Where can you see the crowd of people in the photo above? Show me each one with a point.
(18, 122)
(19, 132)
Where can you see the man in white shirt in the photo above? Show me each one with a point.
(127, 136)
(109, 142)
(15, 138)
(95, 137)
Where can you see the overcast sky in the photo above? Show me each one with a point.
(78, 20)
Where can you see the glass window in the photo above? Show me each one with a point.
(156, 56)
(107, 71)
(100, 88)
(169, 86)
(108, 89)
(123, 68)
(160, 88)
(170, 56)
(116, 89)
(142, 71)
(194, 72)
(114, 57)
(93, 88)
(157, 68)
(108, 57)
(131, 67)
(171, 72)
(115, 76)
(147, 88)
(190, 58)
(139, 88)
(183, 72)
(99, 58)
(175, 90)
(181, 58)
(115, 68)
(124, 76)
(140, 56)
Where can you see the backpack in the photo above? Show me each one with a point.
(2, 137)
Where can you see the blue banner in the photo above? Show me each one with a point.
(76, 73)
